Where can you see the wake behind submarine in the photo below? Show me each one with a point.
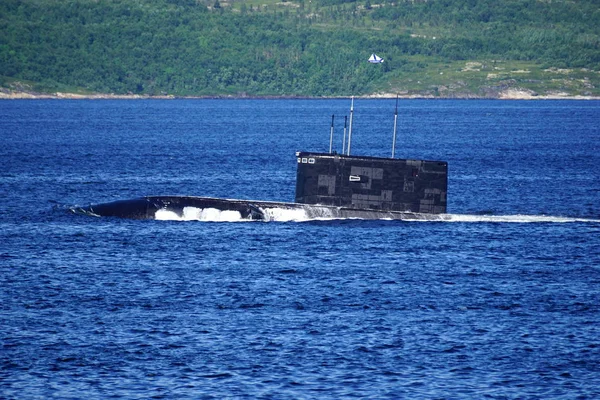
(328, 186)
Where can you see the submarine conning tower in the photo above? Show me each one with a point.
(361, 182)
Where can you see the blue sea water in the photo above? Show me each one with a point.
(501, 302)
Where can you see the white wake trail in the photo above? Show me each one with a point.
(517, 218)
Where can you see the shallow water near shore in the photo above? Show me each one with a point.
(500, 301)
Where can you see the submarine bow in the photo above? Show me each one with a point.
(147, 207)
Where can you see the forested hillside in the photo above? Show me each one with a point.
(301, 48)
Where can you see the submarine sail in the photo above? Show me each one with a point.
(372, 183)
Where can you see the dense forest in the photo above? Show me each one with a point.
(300, 47)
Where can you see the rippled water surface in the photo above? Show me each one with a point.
(502, 301)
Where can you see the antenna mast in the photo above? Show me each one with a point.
(331, 134)
(395, 124)
(350, 130)
(344, 140)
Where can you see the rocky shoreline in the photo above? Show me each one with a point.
(508, 94)
(16, 95)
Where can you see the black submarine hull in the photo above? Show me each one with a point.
(148, 207)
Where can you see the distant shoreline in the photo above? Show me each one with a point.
(510, 94)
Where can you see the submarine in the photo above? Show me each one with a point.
(328, 186)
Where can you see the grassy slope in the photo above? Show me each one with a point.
(410, 74)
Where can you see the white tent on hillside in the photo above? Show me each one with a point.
(375, 59)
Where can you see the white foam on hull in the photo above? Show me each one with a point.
(274, 214)
(199, 214)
